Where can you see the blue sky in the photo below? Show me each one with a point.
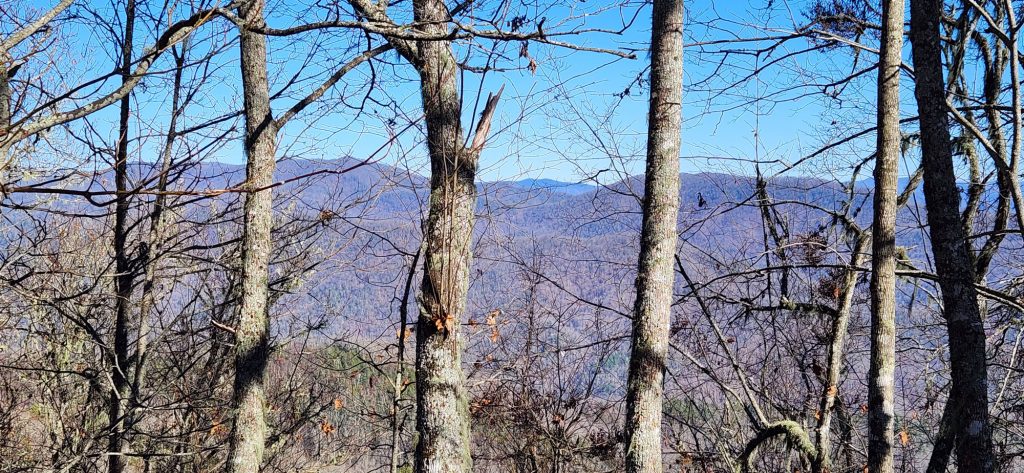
(575, 126)
(568, 120)
(595, 130)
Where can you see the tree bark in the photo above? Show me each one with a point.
(249, 431)
(5, 119)
(882, 370)
(5, 94)
(966, 330)
(822, 462)
(795, 436)
(124, 279)
(442, 407)
(655, 277)
(944, 438)
(442, 412)
(399, 384)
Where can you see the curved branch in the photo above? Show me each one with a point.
(793, 432)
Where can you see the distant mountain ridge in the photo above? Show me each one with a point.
(570, 188)
(583, 236)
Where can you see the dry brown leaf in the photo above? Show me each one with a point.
(218, 428)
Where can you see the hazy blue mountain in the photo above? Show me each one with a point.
(570, 188)
(584, 236)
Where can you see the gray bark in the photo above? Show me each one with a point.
(966, 330)
(944, 438)
(881, 373)
(5, 94)
(655, 277)
(399, 386)
(249, 431)
(442, 407)
(823, 461)
(442, 412)
(791, 431)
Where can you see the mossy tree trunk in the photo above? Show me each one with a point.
(966, 330)
(442, 413)
(249, 431)
(442, 406)
(655, 277)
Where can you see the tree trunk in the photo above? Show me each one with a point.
(5, 95)
(442, 412)
(822, 462)
(943, 443)
(248, 434)
(399, 386)
(882, 371)
(966, 330)
(442, 407)
(123, 280)
(655, 277)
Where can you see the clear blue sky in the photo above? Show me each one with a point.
(567, 120)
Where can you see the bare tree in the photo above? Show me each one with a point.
(966, 414)
(162, 310)
(881, 377)
(442, 412)
(655, 275)
(252, 335)
(45, 114)
(124, 277)
(10, 65)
